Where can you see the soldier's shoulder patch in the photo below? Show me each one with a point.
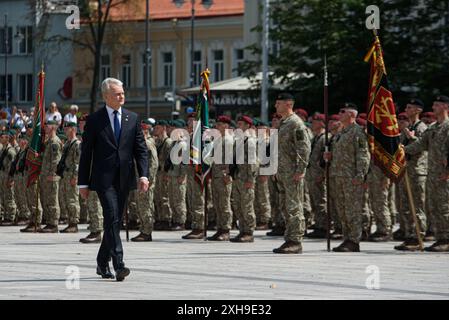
(299, 133)
(55, 147)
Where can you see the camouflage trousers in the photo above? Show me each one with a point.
(211, 212)
(439, 207)
(162, 203)
(333, 191)
(307, 206)
(418, 188)
(84, 214)
(23, 212)
(366, 212)
(393, 203)
(195, 201)
(70, 200)
(94, 212)
(145, 210)
(378, 197)
(317, 192)
(7, 198)
(350, 202)
(63, 213)
(428, 211)
(276, 211)
(177, 198)
(291, 200)
(262, 205)
(244, 206)
(34, 203)
(49, 193)
(222, 203)
(133, 214)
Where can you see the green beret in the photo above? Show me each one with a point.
(177, 124)
(149, 121)
(161, 122)
(256, 122)
(12, 132)
(69, 124)
(181, 121)
(51, 122)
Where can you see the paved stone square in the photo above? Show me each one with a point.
(33, 266)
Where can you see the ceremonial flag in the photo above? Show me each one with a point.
(34, 154)
(383, 129)
(202, 169)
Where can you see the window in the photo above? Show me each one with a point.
(26, 44)
(197, 66)
(238, 60)
(2, 87)
(167, 64)
(218, 65)
(126, 70)
(105, 67)
(144, 70)
(25, 85)
(3, 40)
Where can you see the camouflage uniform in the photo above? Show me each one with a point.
(221, 191)
(350, 159)
(69, 192)
(145, 200)
(95, 212)
(333, 192)
(49, 190)
(7, 191)
(294, 152)
(133, 214)
(20, 179)
(417, 172)
(378, 186)
(315, 179)
(244, 197)
(436, 141)
(177, 190)
(84, 215)
(277, 216)
(163, 210)
(195, 200)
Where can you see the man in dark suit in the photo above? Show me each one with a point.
(112, 140)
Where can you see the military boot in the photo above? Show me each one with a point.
(220, 235)
(399, 235)
(71, 228)
(408, 245)
(439, 246)
(196, 234)
(429, 236)
(30, 228)
(289, 247)
(379, 237)
(49, 229)
(347, 246)
(317, 234)
(276, 231)
(243, 237)
(142, 237)
(262, 226)
(177, 227)
(93, 237)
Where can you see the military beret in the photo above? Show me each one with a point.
(69, 124)
(224, 119)
(319, 117)
(442, 98)
(51, 122)
(361, 122)
(149, 121)
(349, 105)
(301, 112)
(402, 116)
(362, 116)
(161, 122)
(255, 122)
(12, 132)
(428, 114)
(416, 102)
(177, 124)
(285, 96)
(334, 117)
(182, 121)
(246, 119)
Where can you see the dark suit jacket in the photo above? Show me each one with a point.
(101, 158)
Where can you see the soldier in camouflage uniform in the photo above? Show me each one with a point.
(276, 211)
(63, 216)
(7, 183)
(222, 182)
(68, 184)
(95, 215)
(262, 206)
(293, 158)
(244, 179)
(350, 160)
(435, 141)
(316, 178)
(145, 200)
(20, 179)
(162, 204)
(417, 172)
(48, 180)
(177, 184)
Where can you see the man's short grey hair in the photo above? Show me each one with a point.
(74, 107)
(106, 84)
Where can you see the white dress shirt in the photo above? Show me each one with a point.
(70, 118)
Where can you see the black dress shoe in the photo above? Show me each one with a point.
(105, 273)
(122, 273)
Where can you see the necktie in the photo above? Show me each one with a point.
(117, 128)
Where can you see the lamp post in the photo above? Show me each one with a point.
(147, 60)
(206, 4)
(265, 43)
(6, 61)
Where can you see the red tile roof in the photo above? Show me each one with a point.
(166, 9)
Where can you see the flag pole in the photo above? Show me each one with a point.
(413, 209)
(326, 149)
